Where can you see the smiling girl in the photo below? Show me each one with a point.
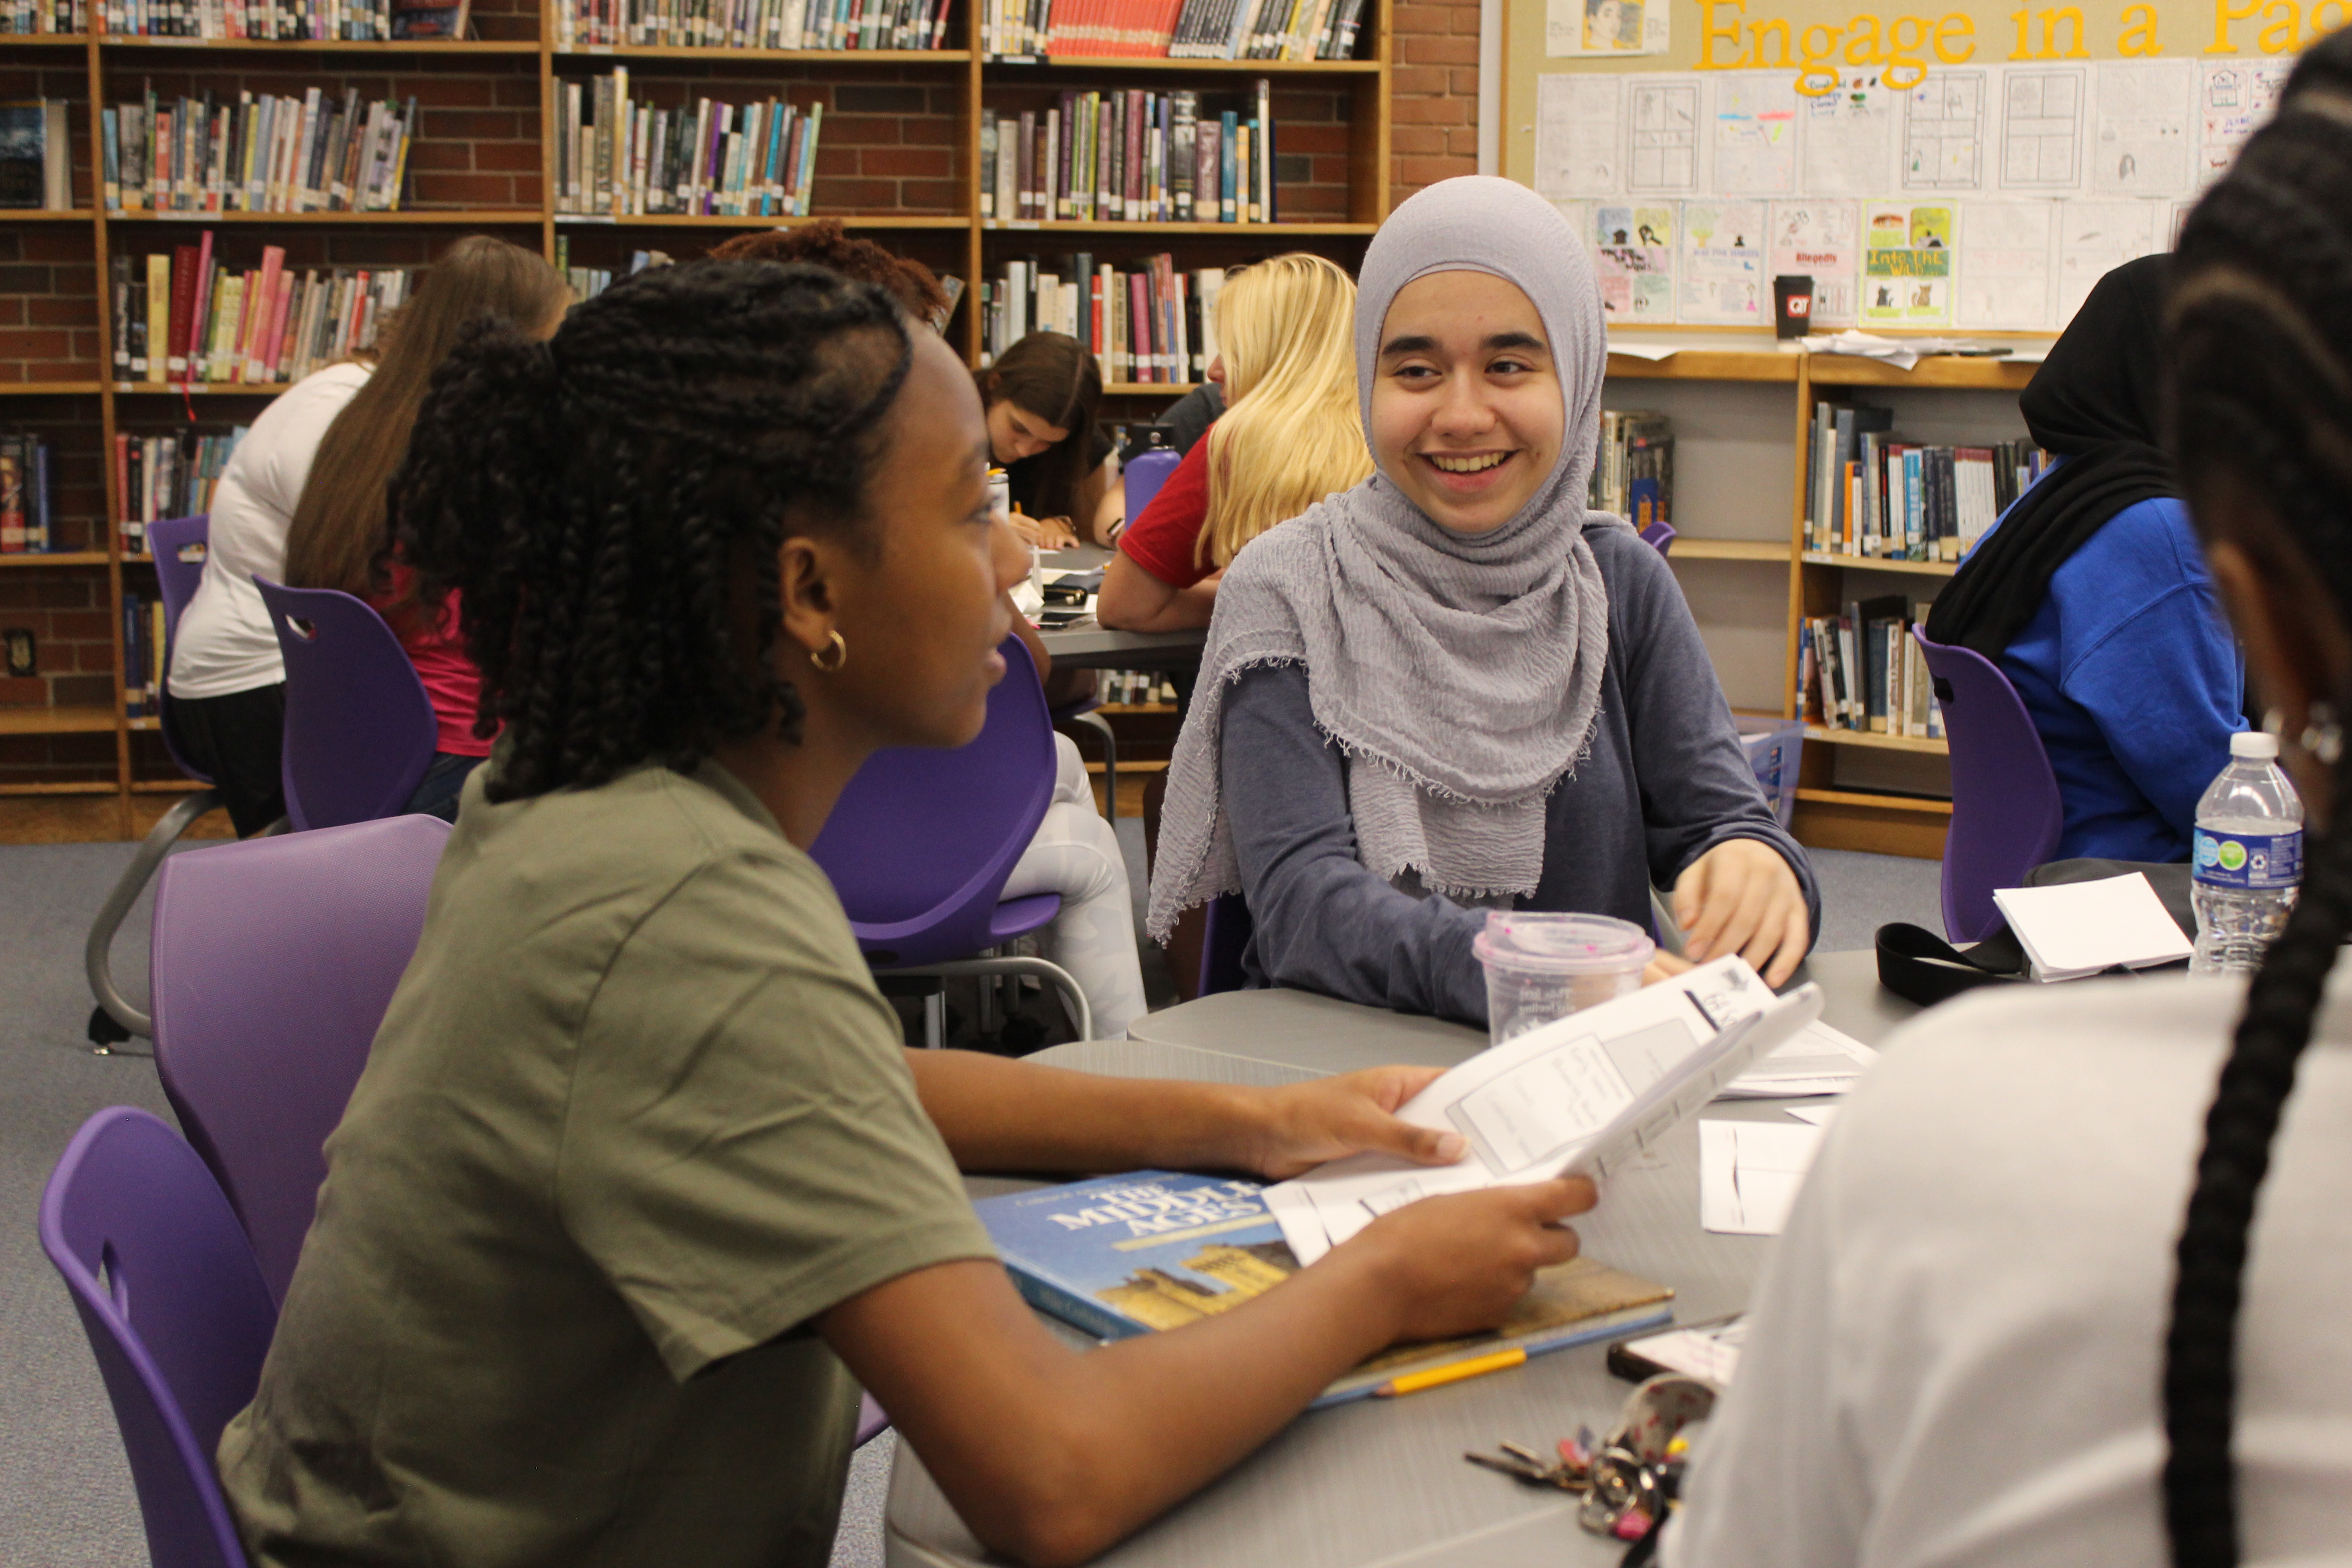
(1453, 686)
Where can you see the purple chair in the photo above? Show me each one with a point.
(274, 961)
(922, 841)
(176, 1313)
(2006, 813)
(1227, 932)
(1143, 478)
(1659, 536)
(114, 1020)
(359, 728)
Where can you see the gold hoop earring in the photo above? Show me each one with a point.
(840, 652)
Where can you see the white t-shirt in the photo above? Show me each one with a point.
(225, 644)
(1955, 1352)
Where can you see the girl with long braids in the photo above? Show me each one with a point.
(1988, 1335)
(639, 1174)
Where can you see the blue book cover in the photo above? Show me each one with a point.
(1126, 1254)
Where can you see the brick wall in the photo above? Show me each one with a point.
(1433, 90)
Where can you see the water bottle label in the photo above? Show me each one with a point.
(2254, 861)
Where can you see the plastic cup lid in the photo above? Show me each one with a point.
(1562, 944)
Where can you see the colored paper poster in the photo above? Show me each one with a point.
(2096, 238)
(1907, 264)
(1752, 134)
(2042, 129)
(2006, 263)
(2143, 137)
(1943, 132)
(1661, 153)
(1622, 28)
(1722, 279)
(1634, 261)
(2234, 99)
(1850, 138)
(1818, 240)
(1580, 133)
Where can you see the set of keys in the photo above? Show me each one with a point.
(1622, 1495)
(1571, 1472)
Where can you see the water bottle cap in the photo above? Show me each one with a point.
(2254, 743)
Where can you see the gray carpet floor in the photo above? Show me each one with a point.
(66, 1500)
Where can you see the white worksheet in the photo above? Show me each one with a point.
(2042, 129)
(1722, 278)
(2234, 98)
(2143, 127)
(1816, 1115)
(1750, 1174)
(1821, 240)
(1945, 122)
(1849, 138)
(2096, 238)
(1818, 1059)
(2009, 252)
(1661, 152)
(1752, 134)
(1579, 134)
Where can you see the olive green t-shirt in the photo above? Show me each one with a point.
(635, 1115)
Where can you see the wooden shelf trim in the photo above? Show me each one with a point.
(1874, 563)
(200, 388)
(722, 55)
(1149, 388)
(410, 216)
(1159, 63)
(1877, 800)
(1685, 548)
(47, 388)
(1237, 230)
(37, 787)
(754, 220)
(1871, 738)
(325, 46)
(45, 215)
(79, 721)
(1942, 370)
(53, 558)
(1706, 364)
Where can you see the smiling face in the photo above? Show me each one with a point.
(1468, 416)
(1015, 432)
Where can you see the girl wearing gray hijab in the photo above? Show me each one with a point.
(1451, 687)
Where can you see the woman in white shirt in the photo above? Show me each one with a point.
(1988, 1336)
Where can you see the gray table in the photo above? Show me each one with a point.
(1091, 647)
(1380, 1484)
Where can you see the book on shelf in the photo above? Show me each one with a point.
(1633, 470)
(25, 497)
(143, 645)
(259, 153)
(587, 282)
(1286, 30)
(281, 21)
(1121, 1256)
(1861, 669)
(1145, 322)
(170, 475)
(883, 24)
(1874, 493)
(268, 325)
(429, 18)
(1130, 156)
(619, 156)
(36, 158)
(1134, 688)
(19, 16)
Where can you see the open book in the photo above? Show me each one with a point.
(1579, 1095)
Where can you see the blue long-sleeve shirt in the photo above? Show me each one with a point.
(1663, 781)
(2133, 679)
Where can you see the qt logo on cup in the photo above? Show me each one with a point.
(1792, 306)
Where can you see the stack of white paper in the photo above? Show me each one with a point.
(2085, 927)
(1750, 1174)
(1818, 1060)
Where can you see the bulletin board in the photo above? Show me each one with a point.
(1975, 169)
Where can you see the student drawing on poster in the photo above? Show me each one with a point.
(1634, 261)
(2041, 129)
(1612, 26)
(1818, 240)
(1907, 265)
(1580, 133)
(1752, 134)
(1663, 155)
(2144, 138)
(1721, 268)
(2006, 264)
(2234, 98)
(1574, 28)
(1943, 132)
(1849, 142)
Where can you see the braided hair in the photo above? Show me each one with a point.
(605, 500)
(2259, 346)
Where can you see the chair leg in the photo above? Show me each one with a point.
(1101, 726)
(934, 1021)
(97, 953)
(1073, 1000)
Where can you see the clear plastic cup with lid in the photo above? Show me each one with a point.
(1541, 967)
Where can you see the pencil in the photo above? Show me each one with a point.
(1452, 1372)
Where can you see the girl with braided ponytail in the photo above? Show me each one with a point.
(639, 1174)
(1988, 1335)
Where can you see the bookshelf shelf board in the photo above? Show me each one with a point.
(53, 558)
(47, 40)
(406, 217)
(1702, 365)
(1685, 548)
(1944, 371)
(82, 720)
(147, 721)
(328, 46)
(1876, 564)
(1882, 802)
(165, 786)
(734, 56)
(747, 221)
(1149, 388)
(45, 215)
(38, 788)
(1189, 230)
(1137, 708)
(46, 388)
(202, 389)
(1128, 63)
(1920, 743)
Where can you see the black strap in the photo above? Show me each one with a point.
(1920, 966)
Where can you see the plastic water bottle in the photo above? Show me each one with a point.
(2249, 857)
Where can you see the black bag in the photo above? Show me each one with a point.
(1920, 966)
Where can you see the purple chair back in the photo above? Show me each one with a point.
(176, 1315)
(359, 728)
(1659, 536)
(922, 840)
(1228, 932)
(176, 580)
(2006, 812)
(1144, 477)
(273, 961)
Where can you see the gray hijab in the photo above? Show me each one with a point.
(1459, 673)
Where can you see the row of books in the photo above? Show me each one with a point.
(1129, 155)
(143, 655)
(44, 16)
(183, 317)
(1861, 669)
(1133, 688)
(288, 21)
(1172, 29)
(265, 153)
(1633, 471)
(36, 158)
(23, 493)
(1144, 322)
(616, 154)
(1875, 493)
(756, 24)
(171, 475)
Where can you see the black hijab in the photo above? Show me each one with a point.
(2094, 401)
